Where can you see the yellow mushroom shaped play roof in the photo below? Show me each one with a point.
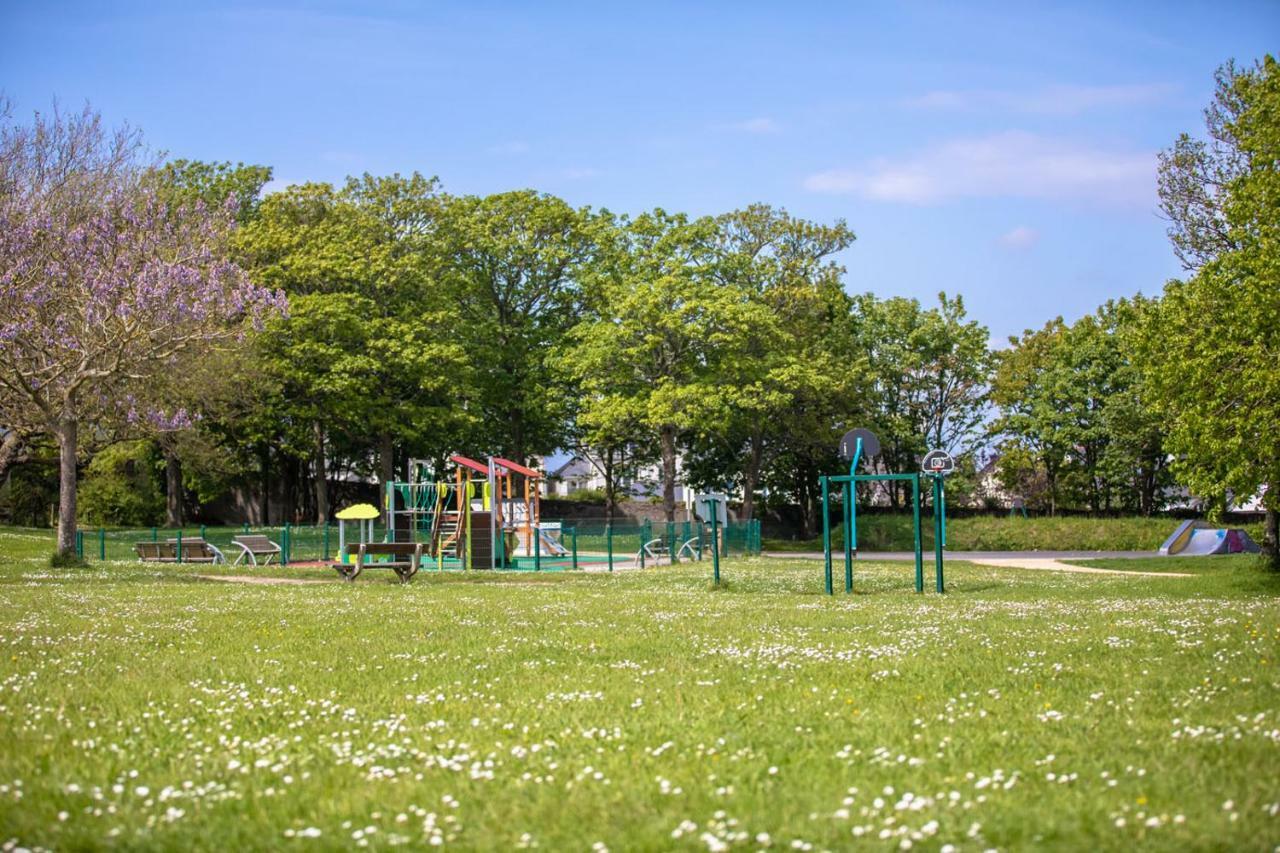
(357, 512)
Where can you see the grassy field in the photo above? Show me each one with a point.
(883, 532)
(144, 707)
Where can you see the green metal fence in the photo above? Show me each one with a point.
(587, 543)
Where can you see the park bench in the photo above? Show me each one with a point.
(254, 546)
(194, 550)
(406, 557)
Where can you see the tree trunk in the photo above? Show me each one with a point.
(9, 448)
(264, 459)
(67, 432)
(1271, 526)
(386, 465)
(669, 472)
(173, 488)
(610, 498)
(322, 477)
(752, 476)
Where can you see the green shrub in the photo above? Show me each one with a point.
(122, 487)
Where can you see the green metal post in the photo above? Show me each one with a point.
(537, 548)
(644, 529)
(915, 511)
(608, 543)
(155, 535)
(671, 541)
(700, 532)
(715, 545)
(179, 544)
(939, 529)
(573, 534)
(826, 533)
(204, 532)
(80, 544)
(102, 543)
(284, 545)
(326, 541)
(246, 527)
(849, 491)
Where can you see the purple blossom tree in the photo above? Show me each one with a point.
(105, 291)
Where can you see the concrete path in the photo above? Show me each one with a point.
(974, 556)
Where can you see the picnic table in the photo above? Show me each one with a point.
(406, 558)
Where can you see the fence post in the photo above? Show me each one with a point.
(608, 543)
(102, 543)
(246, 527)
(573, 532)
(179, 551)
(204, 531)
(155, 535)
(671, 541)
(643, 529)
(326, 541)
(284, 545)
(80, 544)
(715, 545)
(537, 548)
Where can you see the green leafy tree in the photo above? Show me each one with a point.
(121, 488)
(511, 263)
(929, 370)
(662, 336)
(369, 359)
(782, 265)
(1212, 343)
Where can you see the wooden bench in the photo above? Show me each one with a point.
(406, 558)
(254, 546)
(194, 550)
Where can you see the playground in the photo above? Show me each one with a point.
(556, 686)
(639, 709)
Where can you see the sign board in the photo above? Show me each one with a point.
(848, 444)
(938, 462)
(712, 502)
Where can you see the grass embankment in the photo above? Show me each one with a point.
(884, 532)
(641, 710)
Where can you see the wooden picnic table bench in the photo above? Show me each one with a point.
(194, 550)
(253, 546)
(406, 558)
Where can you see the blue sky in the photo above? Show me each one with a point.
(1003, 152)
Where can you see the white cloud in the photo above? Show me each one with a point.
(759, 124)
(1050, 100)
(1021, 237)
(1013, 165)
(513, 147)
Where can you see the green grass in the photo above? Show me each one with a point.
(883, 532)
(145, 708)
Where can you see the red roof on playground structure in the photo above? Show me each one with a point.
(503, 463)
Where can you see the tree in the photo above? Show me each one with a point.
(102, 285)
(512, 262)
(369, 358)
(782, 264)
(929, 370)
(1213, 341)
(656, 349)
(191, 182)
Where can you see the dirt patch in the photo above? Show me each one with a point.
(263, 581)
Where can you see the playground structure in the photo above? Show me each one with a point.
(478, 518)
(1201, 539)
(854, 446)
